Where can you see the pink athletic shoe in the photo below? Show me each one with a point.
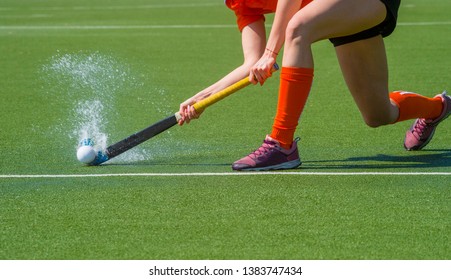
(422, 130)
(270, 156)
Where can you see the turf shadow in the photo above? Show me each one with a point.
(419, 159)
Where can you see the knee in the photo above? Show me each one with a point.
(380, 115)
(297, 33)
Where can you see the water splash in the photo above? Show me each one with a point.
(89, 74)
(90, 84)
(91, 123)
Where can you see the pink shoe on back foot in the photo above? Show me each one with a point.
(422, 130)
(270, 156)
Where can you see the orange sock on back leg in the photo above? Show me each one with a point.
(412, 105)
(295, 84)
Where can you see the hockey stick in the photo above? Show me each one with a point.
(163, 125)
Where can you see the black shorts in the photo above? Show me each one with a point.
(385, 28)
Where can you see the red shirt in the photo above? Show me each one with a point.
(249, 11)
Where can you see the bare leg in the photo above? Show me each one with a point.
(364, 67)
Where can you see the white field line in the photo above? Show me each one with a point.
(113, 27)
(175, 26)
(226, 174)
(124, 7)
(119, 7)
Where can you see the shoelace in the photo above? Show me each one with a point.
(420, 127)
(264, 149)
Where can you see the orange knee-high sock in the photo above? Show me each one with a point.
(295, 84)
(412, 105)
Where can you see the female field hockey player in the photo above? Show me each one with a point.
(356, 29)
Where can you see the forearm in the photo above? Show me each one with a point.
(231, 78)
(253, 44)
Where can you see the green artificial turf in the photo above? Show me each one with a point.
(137, 61)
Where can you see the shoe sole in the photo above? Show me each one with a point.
(286, 165)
